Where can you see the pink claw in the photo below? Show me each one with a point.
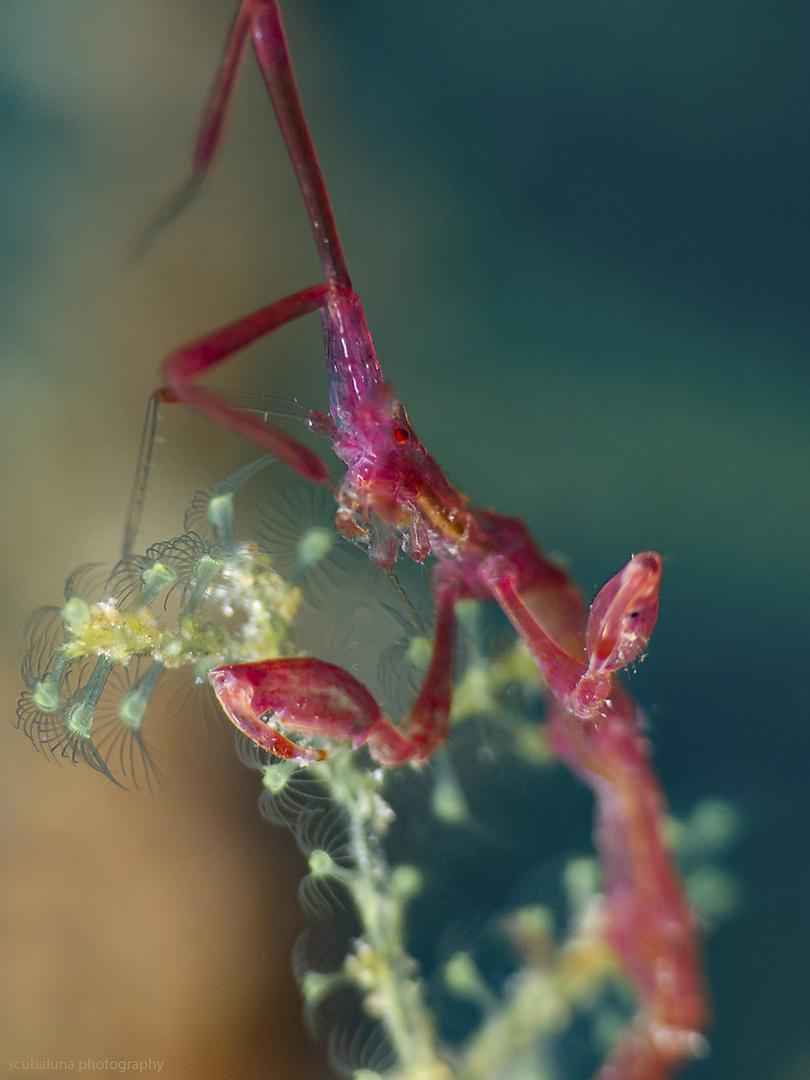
(622, 616)
(308, 696)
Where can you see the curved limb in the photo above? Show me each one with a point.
(181, 369)
(311, 696)
(596, 729)
(318, 698)
(261, 20)
(647, 919)
(620, 622)
(353, 366)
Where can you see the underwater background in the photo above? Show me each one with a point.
(580, 233)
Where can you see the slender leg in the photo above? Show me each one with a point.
(180, 371)
(270, 44)
(426, 724)
(212, 129)
(620, 623)
(647, 919)
(596, 730)
(261, 19)
(314, 697)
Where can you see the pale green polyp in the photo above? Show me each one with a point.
(406, 881)
(45, 692)
(316, 985)
(132, 708)
(321, 863)
(314, 545)
(75, 613)
(79, 720)
(220, 516)
(463, 978)
(220, 505)
(154, 579)
(277, 778)
(418, 654)
(45, 695)
(713, 826)
(581, 878)
(80, 716)
(134, 702)
(205, 570)
(448, 802)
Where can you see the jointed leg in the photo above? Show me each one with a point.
(182, 368)
(261, 19)
(595, 729)
(619, 626)
(314, 697)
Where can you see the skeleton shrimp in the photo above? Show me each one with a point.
(395, 498)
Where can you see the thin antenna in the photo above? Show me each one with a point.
(407, 602)
(141, 481)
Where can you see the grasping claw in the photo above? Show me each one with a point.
(311, 697)
(620, 622)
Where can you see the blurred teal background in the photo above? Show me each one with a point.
(580, 232)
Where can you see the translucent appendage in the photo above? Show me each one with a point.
(92, 667)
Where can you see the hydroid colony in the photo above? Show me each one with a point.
(207, 597)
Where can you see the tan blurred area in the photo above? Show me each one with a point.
(133, 926)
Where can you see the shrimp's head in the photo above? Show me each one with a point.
(390, 483)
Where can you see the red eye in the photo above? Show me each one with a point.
(401, 434)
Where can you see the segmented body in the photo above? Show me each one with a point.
(395, 498)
